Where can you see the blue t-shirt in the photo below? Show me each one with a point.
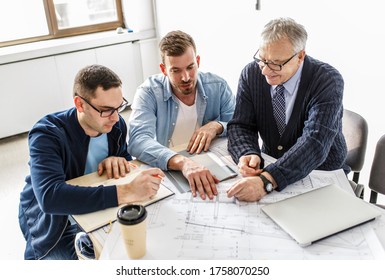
(97, 151)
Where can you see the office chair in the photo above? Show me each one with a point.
(355, 130)
(377, 172)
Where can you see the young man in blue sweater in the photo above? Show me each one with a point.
(294, 103)
(87, 138)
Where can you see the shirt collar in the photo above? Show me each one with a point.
(291, 84)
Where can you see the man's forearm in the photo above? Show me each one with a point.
(176, 162)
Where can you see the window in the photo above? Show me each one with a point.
(34, 20)
(75, 13)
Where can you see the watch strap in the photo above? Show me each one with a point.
(266, 182)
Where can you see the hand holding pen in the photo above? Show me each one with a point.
(132, 165)
(155, 175)
(144, 186)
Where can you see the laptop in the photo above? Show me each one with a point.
(320, 213)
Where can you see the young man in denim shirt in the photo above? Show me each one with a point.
(181, 105)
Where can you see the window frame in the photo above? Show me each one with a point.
(54, 32)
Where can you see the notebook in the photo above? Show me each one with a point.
(95, 220)
(320, 213)
(208, 159)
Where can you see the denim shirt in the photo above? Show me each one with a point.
(155, 110)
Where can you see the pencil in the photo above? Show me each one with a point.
(132, 165)
(110, 227)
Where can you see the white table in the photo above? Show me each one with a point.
(183, 227)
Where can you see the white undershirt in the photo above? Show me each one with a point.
(186, 124)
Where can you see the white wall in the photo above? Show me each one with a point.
(347, 34)
(138, 14)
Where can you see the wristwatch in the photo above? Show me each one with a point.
(267, 185)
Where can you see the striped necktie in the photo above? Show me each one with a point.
(279, 108)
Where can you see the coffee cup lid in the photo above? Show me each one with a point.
(131, 214)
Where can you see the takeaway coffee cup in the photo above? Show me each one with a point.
(132, 222)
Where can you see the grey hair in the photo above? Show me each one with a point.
(281, 28)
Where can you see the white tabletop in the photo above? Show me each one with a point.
(183, 227)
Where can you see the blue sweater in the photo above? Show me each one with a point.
(58, 151)
(313, 136)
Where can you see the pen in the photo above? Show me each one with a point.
(132, 165)
(110, 227)
(157, 176)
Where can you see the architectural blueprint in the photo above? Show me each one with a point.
(184, 227)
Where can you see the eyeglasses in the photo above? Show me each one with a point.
(271, 65)
(109, 112)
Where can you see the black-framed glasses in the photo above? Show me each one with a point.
(271, 65)
(109, 112)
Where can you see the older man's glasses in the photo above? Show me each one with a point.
(109, 112)
(271, 65)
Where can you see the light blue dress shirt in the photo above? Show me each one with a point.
(291, 89)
